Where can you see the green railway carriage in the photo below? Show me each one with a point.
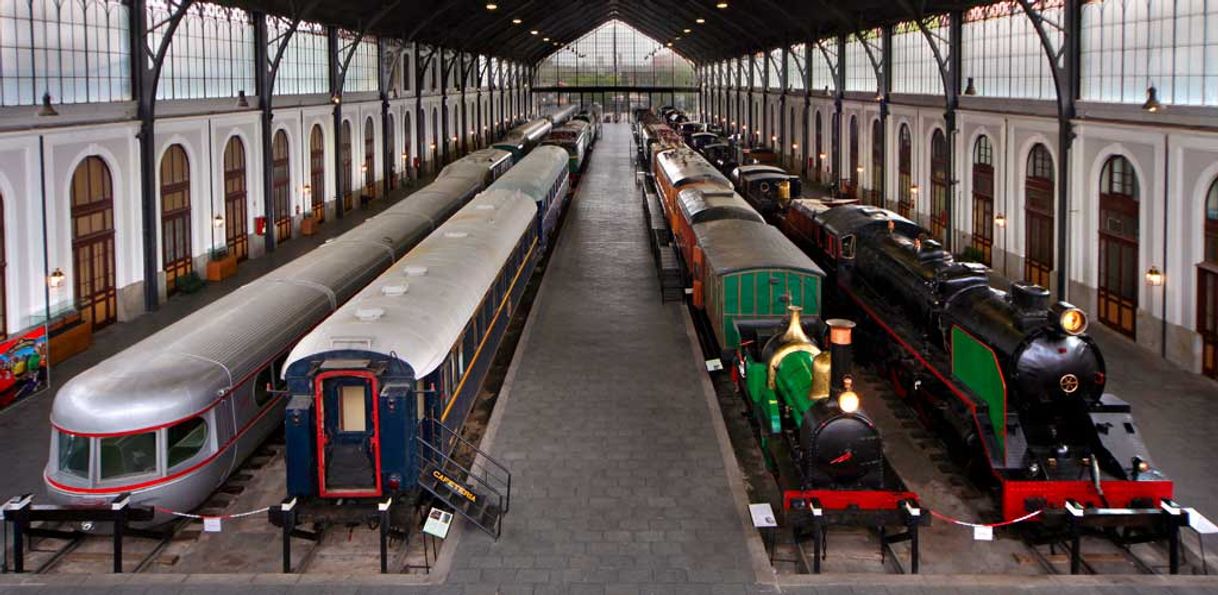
(747, 270)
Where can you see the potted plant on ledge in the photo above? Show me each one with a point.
(221, 265)
(308, 224)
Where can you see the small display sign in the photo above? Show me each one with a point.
(211, 524)
(438, 523)
(763, 515)
(714, 365)
(983, 533)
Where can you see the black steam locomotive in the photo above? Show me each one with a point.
(1014, 380)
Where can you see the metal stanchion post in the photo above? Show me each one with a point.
(119, 505)
(288, 511)
(382, 510)
(1076, 555)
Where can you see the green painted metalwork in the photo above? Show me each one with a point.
(975, 365)
(794, 383)
(759, 294)
(765, 402)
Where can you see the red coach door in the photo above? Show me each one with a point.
(348, 436)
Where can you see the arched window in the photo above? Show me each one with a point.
(938, 185)
(344, 172)
(93, 242)
(1118, 286)
(905, 200)
(317, 172)
(854, 157)
(236, 235)
(281, 191)
(369, 167)
(175, 217)
(391, 156)
(983, 199)
(820, 152)
(1038, 213)
(1207, 287)
(877, 163)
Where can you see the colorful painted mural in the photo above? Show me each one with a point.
(23, 366)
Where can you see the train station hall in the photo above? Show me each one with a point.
(608, 297)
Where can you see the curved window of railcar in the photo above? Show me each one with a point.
(74, 454)
(185, 440)
(133, 454)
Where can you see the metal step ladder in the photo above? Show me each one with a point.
(481, 493)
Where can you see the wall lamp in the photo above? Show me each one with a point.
(1154, 277)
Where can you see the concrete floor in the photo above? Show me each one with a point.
(619, 478)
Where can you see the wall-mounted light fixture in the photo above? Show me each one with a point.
(217, 221)
(1000, 220)
(56, 278)
(913, 189)
(1154, 277)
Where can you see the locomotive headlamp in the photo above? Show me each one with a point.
(848, 401)
(1071, 320)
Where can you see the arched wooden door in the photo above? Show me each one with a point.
(820, 151)
(345, 174)
(1038, 216)
(436, 133)
(175, 217)
(391, 156)
(1207, 287)
(938, 185)
(983, 199)
(407, 145)
(93, 242)
(854, 157)
(317, 173)
(905, 201)
(877, 163)
(236, 234)
(1118, 284)
(281, 187)
(369, 166)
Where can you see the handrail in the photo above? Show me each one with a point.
(447, 459)
(445, 430)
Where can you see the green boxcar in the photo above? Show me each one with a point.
(751, 271)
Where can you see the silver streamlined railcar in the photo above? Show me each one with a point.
(169, 418)
(560, 114)
(522, 139)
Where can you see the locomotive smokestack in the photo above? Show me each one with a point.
(841, 353)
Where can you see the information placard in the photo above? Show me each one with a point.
(763, 515)
(438, 523)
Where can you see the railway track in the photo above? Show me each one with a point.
(70, 548)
